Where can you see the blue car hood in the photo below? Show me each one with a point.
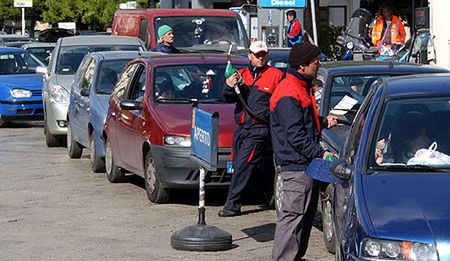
(410, 206)
(65, 81)
(30, 82)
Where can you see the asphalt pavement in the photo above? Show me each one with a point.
(55, 208)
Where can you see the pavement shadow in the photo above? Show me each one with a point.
(263, 233)
(23, 125)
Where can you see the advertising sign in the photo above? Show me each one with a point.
(282, 4)
(204, 137)
(23, 3)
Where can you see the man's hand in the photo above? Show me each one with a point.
(331, 121)
(328, 153)
(379, 151)
(232, 80)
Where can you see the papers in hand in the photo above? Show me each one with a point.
(344, 105)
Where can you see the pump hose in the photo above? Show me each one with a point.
(247, 108)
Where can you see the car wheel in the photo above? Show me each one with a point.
(113, 173)
(97, 163)
(2, 123)
(155, 192)
(50, 140)
(278, 187)
(73, 147)
(327, 222)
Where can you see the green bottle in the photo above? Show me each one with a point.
(229, 70)
(330, 158)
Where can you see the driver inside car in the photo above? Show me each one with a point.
(218, 33)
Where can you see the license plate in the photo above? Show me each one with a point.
(230, 167)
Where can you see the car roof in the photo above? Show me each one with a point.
(417, 85)
(113, 55)
(13, 50)
(180, 12)
(99, 40)
(38, 44)
(14, 36)
(186, 58)
(374, 67)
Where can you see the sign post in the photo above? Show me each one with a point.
(204, 139)
(23, 4)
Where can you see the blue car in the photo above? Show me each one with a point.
(390, 195)
(89, 97)
(20, 86)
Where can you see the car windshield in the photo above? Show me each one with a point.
(42, 53)
(413, 135)
(70, 57)
(108, 75)
(181, 83)
(201, 32)
(17, 63)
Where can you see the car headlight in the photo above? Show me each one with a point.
(20, 93)
(58, 94)
(380, 249)
(349, 45)
(172, 140)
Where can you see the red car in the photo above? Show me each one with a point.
(147, 129)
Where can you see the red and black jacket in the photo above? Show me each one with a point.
(294, 123)
(259, 84)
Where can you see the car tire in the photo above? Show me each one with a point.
(329, 237)
(74, 149)
(277, 187)
(113, 173)
(97, 162)
(2, 123)
(50, 140)
(155, 192)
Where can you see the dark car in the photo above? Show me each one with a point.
(390, 199)
(148, 126)
(341, 87)
(89, 97)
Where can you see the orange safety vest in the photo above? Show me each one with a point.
(398, 33)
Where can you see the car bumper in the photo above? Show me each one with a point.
(176, 168)
(56, 114)
(17, 110)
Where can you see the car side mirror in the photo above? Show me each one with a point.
(41, 70)
(84, 92)
(131, 105)
(340, 169)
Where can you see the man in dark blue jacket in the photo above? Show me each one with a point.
(252, 134)
(295, 127)
(166, 38)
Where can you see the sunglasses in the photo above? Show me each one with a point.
(259, 54)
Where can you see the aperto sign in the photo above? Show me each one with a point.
(23, 3)
(204, 134)
(282, 3)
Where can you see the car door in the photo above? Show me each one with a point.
(343, 203)
(81, 108)
(130, 121)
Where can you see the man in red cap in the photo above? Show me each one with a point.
(295, 127)
(250, 137)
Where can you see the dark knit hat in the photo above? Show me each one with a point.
(302, 54)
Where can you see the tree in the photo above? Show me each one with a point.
(8, 11)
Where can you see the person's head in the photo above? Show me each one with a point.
(258, 54)
(305, 58)
(387, 11)
(165, 35)
(413, 131)
(291, 15)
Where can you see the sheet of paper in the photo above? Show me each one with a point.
(344, 105)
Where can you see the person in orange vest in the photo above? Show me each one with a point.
(388, 30)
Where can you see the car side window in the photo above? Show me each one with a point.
(124, 81)
(86, 74)
(354, 138)
(144, 32)
(138, 84)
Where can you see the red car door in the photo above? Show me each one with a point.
(130, 123)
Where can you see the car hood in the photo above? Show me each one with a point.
(176, 119)
(410, 206)
(24, 81)
(65, 81)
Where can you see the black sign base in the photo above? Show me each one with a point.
(201, 237)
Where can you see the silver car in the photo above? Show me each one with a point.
(64, 62)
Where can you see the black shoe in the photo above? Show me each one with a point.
(228, 213)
